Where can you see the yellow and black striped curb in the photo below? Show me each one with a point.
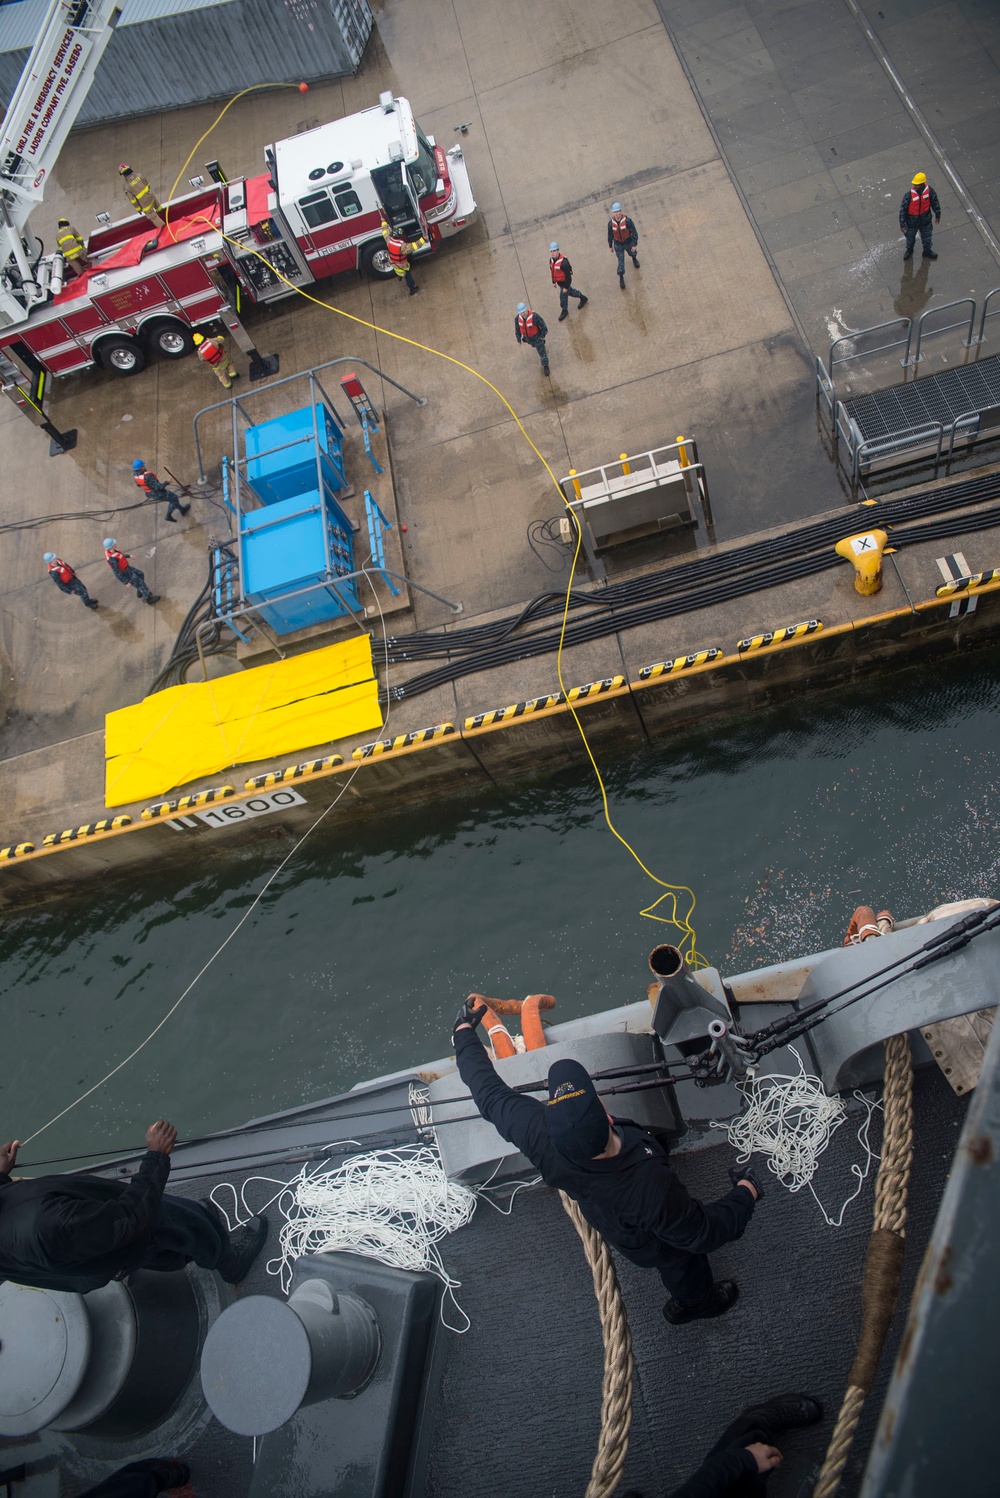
(775, 636)
(403, 741)
(89, 829)
(184, 803)
(16, 850)
(516, 710)
(680, 663)
(964, 584)
(294, 772)
(595, 688)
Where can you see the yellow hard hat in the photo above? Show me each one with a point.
(920, 179)
(197, 338)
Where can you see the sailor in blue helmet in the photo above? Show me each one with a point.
(122, 569)
(562, 279)
(623, 236)
(150, 485)
(615, 1171)
(66, 580)
(531, 328)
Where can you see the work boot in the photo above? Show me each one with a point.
(172, 518)
(563, 315)
(723, 1294)
(152, 598)
(583, 302)
(908, 255)
(185, 509)
(621, 279)
(545, 369)
(92, 603)
(245, 1244)
(930, 254)
(785, 1411)
(414, 290)
(635, 261)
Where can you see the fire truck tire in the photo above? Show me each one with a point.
(168, 337)
(121, 354)
(375, 260)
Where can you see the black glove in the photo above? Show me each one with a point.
(738, 1173)
(470, 1014)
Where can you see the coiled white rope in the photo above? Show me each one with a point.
(791, 1120)
(393, 1205)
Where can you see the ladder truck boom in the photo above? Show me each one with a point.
(44, 107)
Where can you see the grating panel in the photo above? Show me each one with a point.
(939, 397)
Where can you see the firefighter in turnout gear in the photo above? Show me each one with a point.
(400, 251)
(149, 484)
(623, 237)
(126, 574)
(531, 329)
(69, 243)
(141, 195)
(213, 351)
(66, 579)
(562, 278)
(919, 202)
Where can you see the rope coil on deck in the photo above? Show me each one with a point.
(884, 1262)
(616, 1395)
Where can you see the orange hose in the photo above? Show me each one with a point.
(531, 1020)
(503, 1045)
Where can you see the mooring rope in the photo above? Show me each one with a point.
(616, 1394)
(884, 1262)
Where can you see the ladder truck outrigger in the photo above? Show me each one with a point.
(229, 244)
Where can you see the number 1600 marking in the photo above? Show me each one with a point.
(257, 806)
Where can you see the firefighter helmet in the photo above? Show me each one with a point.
(124, 168)
(63, 223)
(109, 541)
(522, 307)
(920, 179)
(197, 338)
(49, 556)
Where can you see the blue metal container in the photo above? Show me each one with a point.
(286, 574)
(282, 454)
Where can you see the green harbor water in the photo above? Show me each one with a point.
(357, 957)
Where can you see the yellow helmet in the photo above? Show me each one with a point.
(197, 338)
(920, 179)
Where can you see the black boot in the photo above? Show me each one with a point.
(583, 302)
(152, 598)
(563, 315)
(635, 261)
(545, 369)
(908, 255)
(172, 517)
(184, 509)
(930, 254)
(245, 1244)
(414, 290)
(92, 603)
(621, 279)
(786, 1411)
(723, 1294)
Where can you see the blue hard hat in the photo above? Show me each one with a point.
(616, 208)
(49, 556)
(137, 464)
(109, 541)
(522, 306)
(552, 247)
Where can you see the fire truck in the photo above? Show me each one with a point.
(317, 210)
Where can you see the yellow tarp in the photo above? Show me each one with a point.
(191, 731)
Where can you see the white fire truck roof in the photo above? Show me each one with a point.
(359, 142)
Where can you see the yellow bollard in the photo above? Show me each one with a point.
(576, 481)
(682, 454)
(623, 460)
(865, 551)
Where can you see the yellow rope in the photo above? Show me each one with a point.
(672, 891)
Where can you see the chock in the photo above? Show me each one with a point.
(865, 551)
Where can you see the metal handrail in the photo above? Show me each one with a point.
(966, 417)
(895, 322)
(982, 321)
(878, 446)
(825, 385)
(965, 301)
(647, 458)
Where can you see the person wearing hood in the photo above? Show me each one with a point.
(616, 1172)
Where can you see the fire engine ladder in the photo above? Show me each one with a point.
(922, 418)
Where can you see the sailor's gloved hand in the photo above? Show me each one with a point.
(745, 1175)
(471, 1012)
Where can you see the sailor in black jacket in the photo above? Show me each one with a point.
(615, 1171)
(79, 1232)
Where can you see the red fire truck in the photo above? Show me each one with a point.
(317, 210)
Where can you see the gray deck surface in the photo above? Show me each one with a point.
(518, 1411)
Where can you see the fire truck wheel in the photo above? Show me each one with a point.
(375, 260)
(121, 354)
(168, 338)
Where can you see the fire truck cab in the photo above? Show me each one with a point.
(317, 210)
